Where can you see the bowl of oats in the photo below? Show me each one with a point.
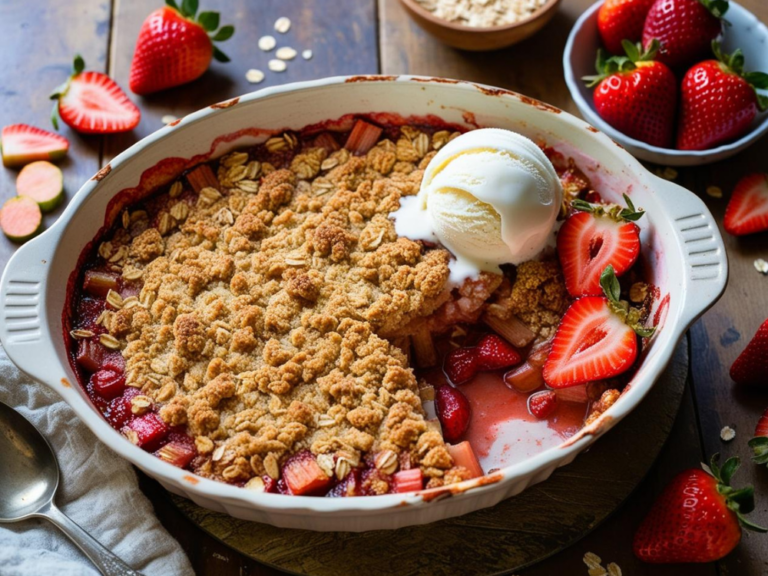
(480, 25)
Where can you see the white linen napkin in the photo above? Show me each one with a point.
(98, 490)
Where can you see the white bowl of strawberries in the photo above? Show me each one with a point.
(678, 82)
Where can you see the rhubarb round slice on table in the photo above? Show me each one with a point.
(42, 182)
(21, 219)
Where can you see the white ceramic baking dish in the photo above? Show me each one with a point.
(681, 246)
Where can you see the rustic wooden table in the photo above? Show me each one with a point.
(38, 40)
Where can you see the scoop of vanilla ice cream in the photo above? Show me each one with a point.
(490, 196)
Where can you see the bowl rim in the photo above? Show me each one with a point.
(227, 494)
(423, 12)
(594, 118)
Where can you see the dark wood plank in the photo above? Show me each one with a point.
(38, 49)
(341, 34)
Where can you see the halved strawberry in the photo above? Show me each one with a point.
(453, 411)
(493, 353)
(596, 339)
(542, 404)
(461, 365)
(759, 443)
(593, 238)
(747, 210)
(23, 144)
(92, 103)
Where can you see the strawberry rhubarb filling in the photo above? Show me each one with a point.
(277, 319)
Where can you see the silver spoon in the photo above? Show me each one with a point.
(29, 476)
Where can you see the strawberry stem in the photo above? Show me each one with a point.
(628, 214)
(759, 447)
(717, 8)
(619, 64)
(209, 21)
(734, 64)
(77, 68)
(741, 501)
(632, 317)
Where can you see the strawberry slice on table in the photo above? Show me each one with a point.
(751, 367)
(636, 94)
(595, 237)
(174, 48)
(596, 339)
(759, 443)
(619, 20)
(697, 518)
(718, 101)
(23, 144)
(93, 103)
(747, 210)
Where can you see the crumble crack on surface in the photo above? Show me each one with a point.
(263, 308)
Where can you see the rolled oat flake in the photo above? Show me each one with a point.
(307, 54)
(286, 53)
(267, 43)
(277, 65)
(254, 76)
(283, 24)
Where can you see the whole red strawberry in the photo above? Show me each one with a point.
(718, 101)
(636, 95)
(698, 517)
(461, 365)
(453, 411)
(173, 48)
(493, 353)
(747, 211)
(685, 29)
(619, 20)
(751, 367)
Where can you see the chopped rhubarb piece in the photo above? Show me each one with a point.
(303, 474)
(363, 137)
(327, 141)
(203, 177)
(525, 378)
(348, 487)
(118, 413)
(538, 354)
(107, 383)
(177, 453)
(150, 430)
(408, 480)
(90, 354)
(573, 394)
(424, 348)
(463, 455)
(99, 283)
(512, 330)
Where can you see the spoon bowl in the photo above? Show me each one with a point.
(29, 477)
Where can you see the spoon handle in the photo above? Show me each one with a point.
(105, 561)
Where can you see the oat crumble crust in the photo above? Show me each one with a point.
(264, 309)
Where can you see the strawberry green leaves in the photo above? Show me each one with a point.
(632, 317)
(209, 21)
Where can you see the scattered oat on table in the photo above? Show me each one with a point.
(283, 24)
(668, 173)
(307, 54)
(254, 76)
(761, 266)
(714, 191)
(286, 53)
(482, 13)
(595, 566)
(277, 65)
(168, 118)
(727, 434)
(267, 43)
(613, 569)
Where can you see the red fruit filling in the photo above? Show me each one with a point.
(108, 383)
(150, 430)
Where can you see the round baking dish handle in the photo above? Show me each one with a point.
(705, 262)
(23, 330)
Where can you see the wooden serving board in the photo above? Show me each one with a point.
(516, 533)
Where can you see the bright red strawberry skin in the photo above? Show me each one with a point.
(493, 353)
(751, 367)
(761, 429)
(715, 106)
(461, 365)
(685, 29)
(95, 104)
(453, 411)
(591, 343)
(170, 50)
(587, 244)
(690, 522)
(619, 20)
(747, 210)
(640, 103)
(542, 404)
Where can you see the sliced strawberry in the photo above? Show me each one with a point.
(23, 144)
(596, 237)
(461, 365)
(747, 210)
(751, 367)
(493, 353)
(759, 443)
(596, 339)
(453, 411)
(408, 480)
(303, 475)
(92, 103)
(542, 404)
